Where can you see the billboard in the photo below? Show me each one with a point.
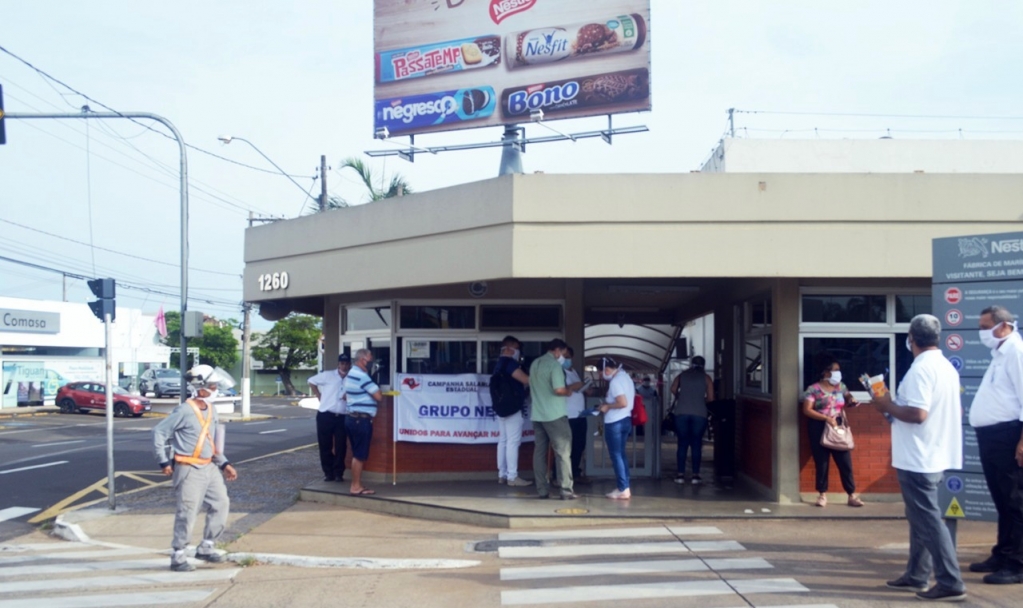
(443, 65)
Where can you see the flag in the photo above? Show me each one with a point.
(161, 323)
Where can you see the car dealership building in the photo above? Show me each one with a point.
(793, 247)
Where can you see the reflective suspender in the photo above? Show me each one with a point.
(204, 435)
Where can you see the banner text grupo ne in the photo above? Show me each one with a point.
(447, 409)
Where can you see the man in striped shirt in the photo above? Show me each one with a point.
(363, 397)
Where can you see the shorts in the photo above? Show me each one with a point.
(360, 434)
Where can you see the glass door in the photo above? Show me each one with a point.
(641, 450)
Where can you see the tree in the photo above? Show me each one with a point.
(292, 342)
(217, 346)
(397, 186)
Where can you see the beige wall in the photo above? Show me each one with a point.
(670, 225)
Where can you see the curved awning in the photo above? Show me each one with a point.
(641, 347)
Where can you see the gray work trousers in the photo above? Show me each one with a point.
(195, 487)
(556, 434)
(930, 543)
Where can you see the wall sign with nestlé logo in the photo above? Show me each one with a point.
(273, 281)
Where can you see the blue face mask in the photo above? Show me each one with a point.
(567, 363)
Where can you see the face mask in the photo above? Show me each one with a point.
(561, 359)
(836, 378)
(213, 394)
(516, 354)
(988, 339)
(608, 376)
(567, 364)
(909, 345)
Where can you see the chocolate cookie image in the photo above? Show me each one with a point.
(621, 86)
(474, 100)
(593, 38)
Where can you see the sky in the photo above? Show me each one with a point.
(295, 79)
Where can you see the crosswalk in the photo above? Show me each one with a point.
(684, 563)
(76, 575)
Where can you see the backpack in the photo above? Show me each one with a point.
(639, 416)
(506, 394)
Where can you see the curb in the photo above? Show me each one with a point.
(68, 531)
(367, 563)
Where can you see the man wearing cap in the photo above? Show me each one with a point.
(185, 444)
(997, 416)
(328, 386)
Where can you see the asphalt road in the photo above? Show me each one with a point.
(47, 459)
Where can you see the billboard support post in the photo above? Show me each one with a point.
(511, 151)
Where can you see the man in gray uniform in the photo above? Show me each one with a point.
(185, 443)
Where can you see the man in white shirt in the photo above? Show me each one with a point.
(927, 440)
(328, 386)
(996, 415)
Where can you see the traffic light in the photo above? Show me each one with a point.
(104, 290)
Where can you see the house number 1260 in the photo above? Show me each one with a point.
(273, 282)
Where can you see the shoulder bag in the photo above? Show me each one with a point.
(838, 437)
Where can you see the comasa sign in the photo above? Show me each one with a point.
(502, 9)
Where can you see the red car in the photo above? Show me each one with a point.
(81, 397)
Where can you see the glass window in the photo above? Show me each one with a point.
(382, 356)
(759, 314)
(753, 364)
(446, 357)
(367, 319)
(438, 317)
(907, 307)
(844, 309)
(492, 351)
(903, 361)
(855, 356)
(520, 317)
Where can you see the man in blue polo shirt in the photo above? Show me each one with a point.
(363, 397)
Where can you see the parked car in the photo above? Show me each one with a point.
(83, 397)
(161, 382)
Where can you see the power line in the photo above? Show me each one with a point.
(130, 255)
(869, 115)
(105, 106)
(122, 285)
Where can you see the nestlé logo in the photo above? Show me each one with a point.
(502, 9)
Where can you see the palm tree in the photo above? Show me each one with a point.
(396, 187)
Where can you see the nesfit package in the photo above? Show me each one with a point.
(601, 37)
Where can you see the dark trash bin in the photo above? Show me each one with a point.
(722, 413)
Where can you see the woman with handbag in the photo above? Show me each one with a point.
(824, 404)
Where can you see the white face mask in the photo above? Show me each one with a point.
(988, 338)
(909, 345)
(516, 354)
(561, 359)
(836, 377)
(608, 376)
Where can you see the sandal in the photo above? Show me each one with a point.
(854, 500)
(822, 500)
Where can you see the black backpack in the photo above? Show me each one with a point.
(506, 394)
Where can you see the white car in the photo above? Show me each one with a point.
(161, 382)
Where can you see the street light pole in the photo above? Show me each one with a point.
(226, 139)
(184, 235)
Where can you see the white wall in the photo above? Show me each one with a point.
(865, 156)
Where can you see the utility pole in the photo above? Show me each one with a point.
(731, 122)
(247, 361)
(108, 353)
(64, 281)
(323, 183)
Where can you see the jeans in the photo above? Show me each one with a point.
(821, 455)
(1004, 477)
(690, 430)
(616, 436)
(930, 543)
(333, 439)
(579, 428)
(508, 445)
(556, 434)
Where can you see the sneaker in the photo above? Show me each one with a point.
(680, 479)
(569, 496)
(330, 478)
(544, 496)
(903, 584)
(501, 480)
(938, 593)
(854, 501)
(697, 480)
(182, 567)
(991, 564)
(212, 557)
(613, 495)
(1004, 577)
(822, 500)
(518, 482)
(626, 494)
